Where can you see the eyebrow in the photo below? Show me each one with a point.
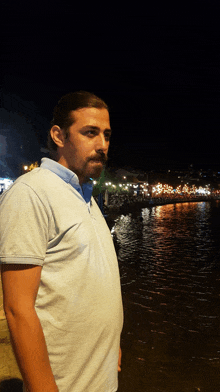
(87, 127)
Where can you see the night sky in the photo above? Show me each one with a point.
(158, 69)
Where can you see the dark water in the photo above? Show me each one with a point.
(170, 276)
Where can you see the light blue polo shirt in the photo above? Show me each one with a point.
(47, 219)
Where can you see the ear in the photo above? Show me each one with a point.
(57, 136)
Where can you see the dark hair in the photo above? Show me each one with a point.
(63, 118)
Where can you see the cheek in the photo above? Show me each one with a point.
(83, 154)
(82, 150)
(85, 149)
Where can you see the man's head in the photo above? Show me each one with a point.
(80, 133)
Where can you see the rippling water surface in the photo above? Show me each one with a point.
(170, 276)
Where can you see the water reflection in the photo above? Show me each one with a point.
(169, 266)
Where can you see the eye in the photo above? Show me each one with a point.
(91, 133)
(107, 136)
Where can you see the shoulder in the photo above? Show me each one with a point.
(37, 178)
(39, 181)
(31, 189)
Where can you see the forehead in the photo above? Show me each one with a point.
(91, 116)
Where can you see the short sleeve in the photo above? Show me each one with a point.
(23, 226)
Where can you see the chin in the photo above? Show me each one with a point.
(95, 173)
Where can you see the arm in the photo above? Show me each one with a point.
(20, 285)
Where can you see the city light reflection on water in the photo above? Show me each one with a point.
(170, 277)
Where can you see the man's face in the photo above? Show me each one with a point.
(85, 151)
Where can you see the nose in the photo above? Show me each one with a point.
(102, 144)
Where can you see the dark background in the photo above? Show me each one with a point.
(157, 67)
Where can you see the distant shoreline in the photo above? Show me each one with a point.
(136, 206)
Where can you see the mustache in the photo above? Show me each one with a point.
(101, 158)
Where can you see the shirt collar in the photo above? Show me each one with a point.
(69, 177)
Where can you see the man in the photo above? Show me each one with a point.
(61, 284)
